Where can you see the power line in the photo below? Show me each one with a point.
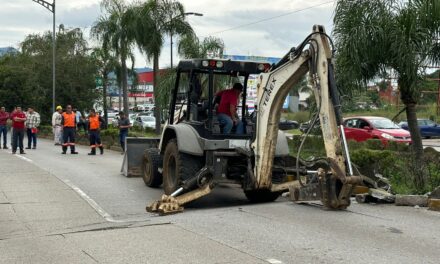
(271, 18)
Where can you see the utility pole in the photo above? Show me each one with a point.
(51, 8)
(171, 31)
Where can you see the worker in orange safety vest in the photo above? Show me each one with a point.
(68, 121)
(95, 124)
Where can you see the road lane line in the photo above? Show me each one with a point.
(274, 261)
(84, 196)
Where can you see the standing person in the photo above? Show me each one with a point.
(227, 109)
(32, 123)
(123, 124)
(18, 119)
(57, 126)
(95, 123)
(68, 121)
(4, 116)
(80, 122)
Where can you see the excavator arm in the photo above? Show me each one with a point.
(313, 56)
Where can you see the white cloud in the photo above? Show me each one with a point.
(270, 38)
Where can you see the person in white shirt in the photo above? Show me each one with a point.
(57, 126)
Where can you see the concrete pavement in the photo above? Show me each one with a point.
(42, 220)
(222, 227)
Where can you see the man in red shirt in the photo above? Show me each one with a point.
(18, 118)
(4, 116)
(227, 109)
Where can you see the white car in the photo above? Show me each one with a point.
(110, 117)
(145, 121)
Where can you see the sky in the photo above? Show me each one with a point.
(221, 18)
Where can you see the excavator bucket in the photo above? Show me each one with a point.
(134, 152)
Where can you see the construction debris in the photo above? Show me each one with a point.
(375, 196)
(381, 195)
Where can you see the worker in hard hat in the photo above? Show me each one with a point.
(57, 127)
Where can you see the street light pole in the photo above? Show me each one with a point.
(171, 31)
(51, 8)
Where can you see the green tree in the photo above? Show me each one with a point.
(112, 29)
(25, 76)
(152, 21)
(191, 47)
(402, 35)
(105, 63)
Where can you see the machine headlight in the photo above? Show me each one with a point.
(387, 136)
(205, 63)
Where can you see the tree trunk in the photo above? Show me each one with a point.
(120, 97)
(104, 96)
(125, 86)
(417, 147)
(156, 105)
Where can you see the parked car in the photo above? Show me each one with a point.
(428, 128)
(361, 128)
(146, 113)
(145, 121)
(287, 124)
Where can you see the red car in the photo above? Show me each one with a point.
(361, 128)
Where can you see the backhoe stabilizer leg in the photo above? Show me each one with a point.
(171, 205)
(330, 190)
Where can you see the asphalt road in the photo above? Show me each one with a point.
(279, 232)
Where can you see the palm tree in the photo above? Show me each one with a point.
(373, 36)
(112, 30)
(155, 20)
(190, 46)
(106, 63)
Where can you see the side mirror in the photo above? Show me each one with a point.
(367, 128)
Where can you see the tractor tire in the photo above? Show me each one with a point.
(261, 196)
(151, 163)
(178, 167)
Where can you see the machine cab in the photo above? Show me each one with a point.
(194, 99)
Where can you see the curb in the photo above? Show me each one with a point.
(412, 200)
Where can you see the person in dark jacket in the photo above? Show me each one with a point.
(124, 125)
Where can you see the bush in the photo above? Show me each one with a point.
(45, 130)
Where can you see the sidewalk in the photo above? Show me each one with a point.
(42, 220)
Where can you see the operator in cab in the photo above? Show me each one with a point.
(227, 109)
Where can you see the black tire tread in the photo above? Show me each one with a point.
(261, 196)
(188, 166)
(153, 154)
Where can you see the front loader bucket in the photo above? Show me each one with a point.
(134, 153)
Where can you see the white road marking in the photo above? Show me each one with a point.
(83, 195)
(274, 261)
